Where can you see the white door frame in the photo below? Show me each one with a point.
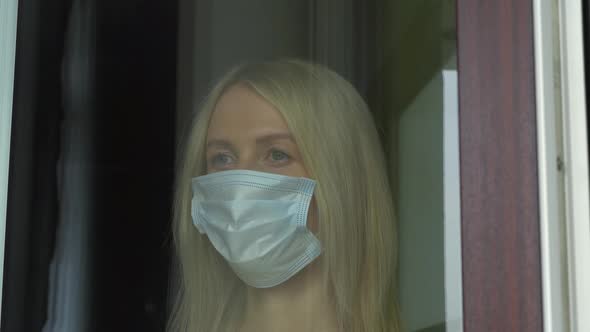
(8, 21)
(575, 136)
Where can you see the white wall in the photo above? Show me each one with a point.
(452, 204)
(421, 209)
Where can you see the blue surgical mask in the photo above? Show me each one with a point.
(257, 222)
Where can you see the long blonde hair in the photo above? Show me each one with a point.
(339, 144)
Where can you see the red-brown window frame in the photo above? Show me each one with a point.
(499, 186)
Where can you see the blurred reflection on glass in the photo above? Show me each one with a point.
(110, 86)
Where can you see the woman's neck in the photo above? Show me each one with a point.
(300, 304)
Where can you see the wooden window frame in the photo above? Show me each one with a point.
(498, 160)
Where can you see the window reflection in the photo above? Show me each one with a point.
(361, 93)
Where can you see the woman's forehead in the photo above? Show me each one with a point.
(241, 112)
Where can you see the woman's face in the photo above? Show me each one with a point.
(246, 132)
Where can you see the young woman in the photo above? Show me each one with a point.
(283, 215)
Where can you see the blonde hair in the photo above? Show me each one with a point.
(339, 144)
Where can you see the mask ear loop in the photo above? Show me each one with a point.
(195, 207)
(306, 188)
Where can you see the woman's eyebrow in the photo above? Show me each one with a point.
(219, 143)
(274, 137)
(265, 139)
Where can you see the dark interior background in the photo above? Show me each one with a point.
(136, 89)
(91, 166)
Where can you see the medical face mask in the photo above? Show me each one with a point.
(257, 222)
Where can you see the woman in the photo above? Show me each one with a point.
(283, 217)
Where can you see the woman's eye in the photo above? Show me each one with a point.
(221, 160)
(278, 156)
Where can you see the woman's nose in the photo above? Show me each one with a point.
(249, 162)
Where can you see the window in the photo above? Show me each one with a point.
(105, 127)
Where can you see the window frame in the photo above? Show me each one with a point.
(499, 185)
(575, 142)
(8, 17)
